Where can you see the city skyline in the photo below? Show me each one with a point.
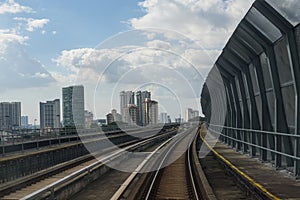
(52, 49)
(134, 99)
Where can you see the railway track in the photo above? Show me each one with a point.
(187, 177)
(21, 166)
(29, 189)
(47, 183)
(176, 177)
(175, 181)
(180, 175)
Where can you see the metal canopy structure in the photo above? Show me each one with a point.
(260, 72)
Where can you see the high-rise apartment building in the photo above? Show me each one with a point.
(140, 98)
(163, 118)
(24, 121)
(126, 98)
(169, 119)
(89, 119)
(50, 114)
(109, 118)
(114, 116)
(191, 114)
(131, 114)
(73, 106)
(10, 115)
(150, 110)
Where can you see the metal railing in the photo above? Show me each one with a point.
(259, 133)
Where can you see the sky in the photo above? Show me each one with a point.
(165, 46)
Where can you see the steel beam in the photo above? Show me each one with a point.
(227, 78)
(229, 119)
(236, 101)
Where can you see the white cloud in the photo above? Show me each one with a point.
(159, 44)
(10, 6)
(137, 66)
(87, 61)
(209, 22)
(33, 24)
(203, 25)
(36, 23)
(17, 69)
(173, 44)
(187, 33)
(7, 35)
(54, 32)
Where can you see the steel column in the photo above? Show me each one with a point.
(254, 114)
(246, 117)
(237, 104)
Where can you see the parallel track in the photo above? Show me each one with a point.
(189, 177)
(176, 177)
(29, 187)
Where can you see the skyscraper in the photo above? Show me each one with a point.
(89, 119)
(140, 98)
(10, 115)
(126, 98)
(114, 116)
(191, 114)
(150, 110)
(131, 115)
(24, 121)
(163, 118)
(109, 118)
(50, 114)
(73, 106)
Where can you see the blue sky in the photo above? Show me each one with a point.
(171, 45)
(76, 24)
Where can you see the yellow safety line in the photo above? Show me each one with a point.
(252, 181)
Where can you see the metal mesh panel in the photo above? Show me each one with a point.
(287, 8)
(263, 24)
(283, 63)
(254, 79)
(266, 71)
(297, 34)
(288, 94)
(241, 54)
(271, 106)
(239, 95)
(247, 92)
(249, 41)
(259, 108)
